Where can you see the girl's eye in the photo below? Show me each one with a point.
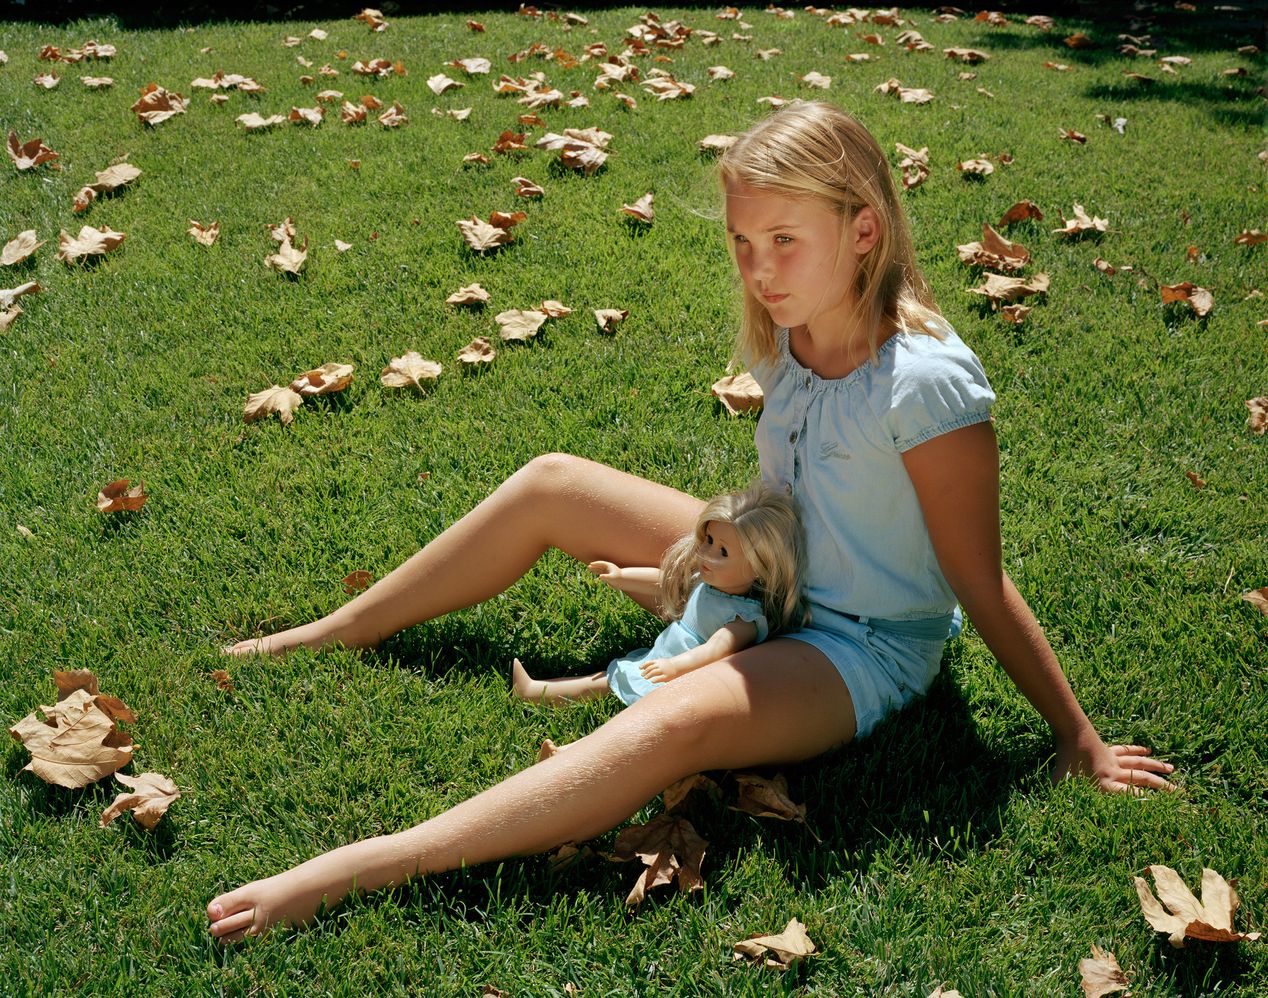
(783, 240)
(740, 239)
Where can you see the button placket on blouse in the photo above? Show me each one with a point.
(798, 432)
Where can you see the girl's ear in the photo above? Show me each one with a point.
(865, 230)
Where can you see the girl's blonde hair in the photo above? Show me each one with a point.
(810, 149)
(772, 540)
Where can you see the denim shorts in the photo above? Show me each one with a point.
(885, 664)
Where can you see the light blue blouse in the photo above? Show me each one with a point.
(836, 445)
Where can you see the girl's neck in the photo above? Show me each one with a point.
(831, 355)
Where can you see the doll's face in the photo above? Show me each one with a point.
(722, 561)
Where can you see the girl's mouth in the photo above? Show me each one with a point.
(772, 299)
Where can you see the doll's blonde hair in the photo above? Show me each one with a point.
(772, 540)
(814, 150)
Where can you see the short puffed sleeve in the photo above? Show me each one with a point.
(931, 386)
(716, 609)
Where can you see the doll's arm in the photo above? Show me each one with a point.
(634, 581)
(726, 640)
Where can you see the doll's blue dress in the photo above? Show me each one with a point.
(707, 611)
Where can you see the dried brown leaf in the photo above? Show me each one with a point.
(478, 351)
(641, 209)
(1081, 223)
(204, 235)
(75, 744)
(109, 179)
(1019, 212)
(1210, 919)
(19, 248)
(555, 309)
(354, 582)
(410, 369)
(117, 497)
(253, 122)
(608, 318)
(980, 167)
(1001, 289)
(670, 848)
(739, 393)
(1198, 299)
(89, 242)
(481, 235)
(472, 294)
(222, 679)
(677, 792)
(1258, 598)
(994, 251)
(519, 324)
(1101, 974)
(289, 258)
(274, 399)
(784, 949)
(26, 155)
(9, 295)
(152, 794)
(157, 104)
(1258, 419)
(324, 380)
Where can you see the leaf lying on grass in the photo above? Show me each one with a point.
(1198, 299)
(779, 951)
(1019, 212)
(1257, 420)
(89, 242)
(1101, 974)
(410, 369)
(157, 105)
(1210, 920)
(152, 794)
(19, 248)
(274, 399)
(1007, 289)
(204, 235)
(519, 324)
(78, 742)
(324, 380)
(481, 235)
(109, 179)
(642, 209)
(994, 251)
(253, 122)
(765, 798)
(1081, 224)
(26, 155)
(739, 393)
(608, 318)
(1258, 598)
(671, 850)
(118, 497)
(354, 582)
(9, 295)
(478, 351)
(472, 294)
(289, 258)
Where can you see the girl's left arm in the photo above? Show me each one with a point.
(956, 477)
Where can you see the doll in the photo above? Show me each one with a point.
(732, 582)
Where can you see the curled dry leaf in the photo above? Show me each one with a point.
(1195, 480)
(9, 295)
(641, 209)
(1019, 212)
(47, 80)
(1211, 919)
(439, 83)
(525, 188)
(351, 114)
(677, 792)
(410, 369)
(156, 104)
(1070, 135)
(739, 393)
(607, 318)
(26, 155)
(980, 167)
(329, 96)
(1101, 974)
(1250, 237)
(97, 82)
(994, 251)
(472, 66)
(472, 294)
(671, 849)
(117, 497)
(109, 179)
(478, 351)
(970, 56)
(1081, 224)
(289, 258)
(307, 115)
(1016, 314)
(1006, 289)
(341, 246)
(816, 80)
(721, 73)
(1258, 419)
(481, 235)
(394, 116)
(1198, 299)
(152, 794)
(19, 248)
(324, 380)
(78, 742)
(908, 95)
(9, 316)
(519, 324)
(555, 309)
(717, 143)
(354, 582)
(779, 951)
(89, 242)
(274, 399)
(769, 799)
(222, 680)
(204, 235)
(1258, 598)
(253, 122)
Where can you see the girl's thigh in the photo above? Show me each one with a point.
(780, 701)
(595, 512)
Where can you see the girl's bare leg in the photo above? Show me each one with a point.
(775, 702)
(586, 509)
(567, 689)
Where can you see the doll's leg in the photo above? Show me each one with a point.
(776, 702)
(567, 689)
(586, 509)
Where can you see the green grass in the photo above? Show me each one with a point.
(946, 857)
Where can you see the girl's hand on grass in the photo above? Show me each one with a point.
(1116, 769)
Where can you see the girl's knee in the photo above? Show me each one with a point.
(548, 474)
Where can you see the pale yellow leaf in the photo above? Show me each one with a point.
(152, 794)
(274, 399)
(519, 324)
(19, 248)
(410, 369)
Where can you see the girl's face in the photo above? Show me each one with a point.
(722, 561)
(793, 260)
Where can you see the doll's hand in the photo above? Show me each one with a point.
(660, 670)
(606, 571)
(1113, 768)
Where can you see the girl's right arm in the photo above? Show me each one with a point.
(634, 581)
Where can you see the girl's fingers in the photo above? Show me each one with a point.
(234, 926)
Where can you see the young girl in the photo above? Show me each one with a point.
(728, 584)
(876, 420)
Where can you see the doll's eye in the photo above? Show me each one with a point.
(722, 552)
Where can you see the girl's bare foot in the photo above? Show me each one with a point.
(288, 899)
(313, 635)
